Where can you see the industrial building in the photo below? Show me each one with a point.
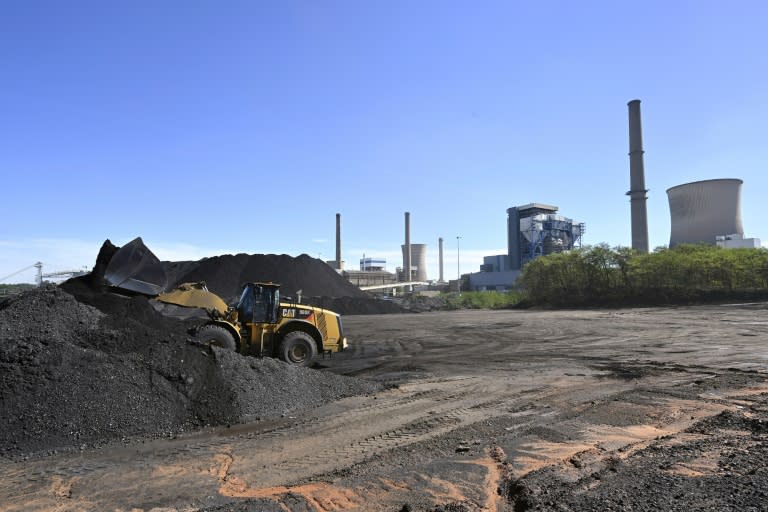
(536, 230)
(533, 230)
(708, 211)
(373, 264)
(373, 272)
(736, 241)
(363, 278)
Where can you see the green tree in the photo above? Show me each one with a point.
(600, 275)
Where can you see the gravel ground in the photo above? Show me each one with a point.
(718, 464)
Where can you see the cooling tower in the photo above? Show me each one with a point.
(418, 262)
(703, 210)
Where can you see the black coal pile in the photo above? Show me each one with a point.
(319, 284)
(74, 375)
(226, 274)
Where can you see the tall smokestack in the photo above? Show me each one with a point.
(407, 254)
(440, 245)
(338, 241)
(637, 197)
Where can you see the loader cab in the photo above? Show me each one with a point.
(259, 303)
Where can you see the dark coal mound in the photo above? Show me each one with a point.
(355, 305)
(73, 376)
(268, 387)
(226, 274)
(320, 284)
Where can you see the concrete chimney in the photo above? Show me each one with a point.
(637, 192)
(440, 246)
(407, 250)
(338, 241)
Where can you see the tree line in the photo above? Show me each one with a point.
(603, 276)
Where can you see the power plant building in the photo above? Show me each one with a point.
(369, 277)
(533, 230)
(373, 272)
(496, 263)
(373, 264)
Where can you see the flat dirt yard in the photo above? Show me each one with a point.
(632, 409)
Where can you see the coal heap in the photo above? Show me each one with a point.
(226, 274)
(320, 284)
(74, 374)
(82, 366)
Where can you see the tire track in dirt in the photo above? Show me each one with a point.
(349, 432)
(250, 457)
(303, 466)
(363, 434)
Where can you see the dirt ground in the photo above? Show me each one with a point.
(633, 409)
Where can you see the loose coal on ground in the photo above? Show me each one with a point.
(719, 463)
(76, 374)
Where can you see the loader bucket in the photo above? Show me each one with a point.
(194, 295)
(135, 268)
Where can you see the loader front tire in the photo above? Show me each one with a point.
(298, 348)
(216, 335)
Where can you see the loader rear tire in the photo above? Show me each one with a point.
(297, 348)
(216, 335)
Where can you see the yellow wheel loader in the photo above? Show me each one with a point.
(259, 325)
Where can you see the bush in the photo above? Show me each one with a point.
(482, 300)
(599, 275)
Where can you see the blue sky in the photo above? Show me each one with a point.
(222, 127)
